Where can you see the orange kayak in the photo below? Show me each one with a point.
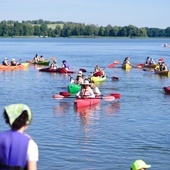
(21, 66)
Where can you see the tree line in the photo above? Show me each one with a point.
(68, 29)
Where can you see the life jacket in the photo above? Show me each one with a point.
(13, 150)
(4, 63)
(66, 65)
(13, 63)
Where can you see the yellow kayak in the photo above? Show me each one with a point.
(98, 79)
(126, 66)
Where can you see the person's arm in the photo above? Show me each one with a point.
(32, 155)
(32, 165)
(92, 95)
(98, 93)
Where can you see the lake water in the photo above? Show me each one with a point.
(108, 136)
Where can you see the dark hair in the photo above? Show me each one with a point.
(19, 122)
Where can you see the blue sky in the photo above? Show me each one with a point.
(140, 13)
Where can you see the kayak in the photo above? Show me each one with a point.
(162, 73)
(74, 88)
(126, 66)
(98, 79)
(58, 70)
(86, 102)
(166, 89)
(43, 63)
(21, 66)
(150, 66)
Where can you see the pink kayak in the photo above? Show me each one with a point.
(86, 102)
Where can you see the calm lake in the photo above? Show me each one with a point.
(108, 136)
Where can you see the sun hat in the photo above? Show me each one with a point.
(15, 110)
(80, 72)
(5, 58)
(86, 82)
(79, 75)
(138, 164)
(13, 59)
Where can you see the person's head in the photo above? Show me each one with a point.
(13, 59)
(79, 75)
(80, 72)
(17, 115)
(41, 56)
(55, 61)
(86, 83)
(5, 59)
(64, 61)
(139, 165)
(147, 57)
(92, 84)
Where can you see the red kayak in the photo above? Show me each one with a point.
(86, 102)
(166, 89)
(58, 70)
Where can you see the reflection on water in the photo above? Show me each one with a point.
(63, 108)
(87, 114)
(112, 109)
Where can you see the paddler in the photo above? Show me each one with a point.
(5, 62)
(95, 89)
(79, 79)
(65, 65)
(86, 91)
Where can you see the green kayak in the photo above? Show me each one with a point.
(74, 88)
(43, 63)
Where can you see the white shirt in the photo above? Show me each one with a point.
(32, 152)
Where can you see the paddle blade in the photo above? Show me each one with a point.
(115, 78)
(83, 70)
(108, 98)
(65, 94)
(161, 59)
(116, 95)
(57, 96)
(99, 73)
(116, 62)
(111, 65)
(52, 58)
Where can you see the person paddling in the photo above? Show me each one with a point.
(86, 91)
(54, 65)
(14, 63)
(5, 62)
(79, 79)
(17, 149)
(126, 61)
(95, 89)
(65, 65)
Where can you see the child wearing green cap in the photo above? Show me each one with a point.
(139, 165)
(17, 149)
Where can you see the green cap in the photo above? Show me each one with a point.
(15, 110)
(139, 164)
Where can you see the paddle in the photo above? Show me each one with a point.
(106, 98)
(148, 69)
(115, 78)
(67, 94)
(116, 95)
(109, 66)
(83, 70)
